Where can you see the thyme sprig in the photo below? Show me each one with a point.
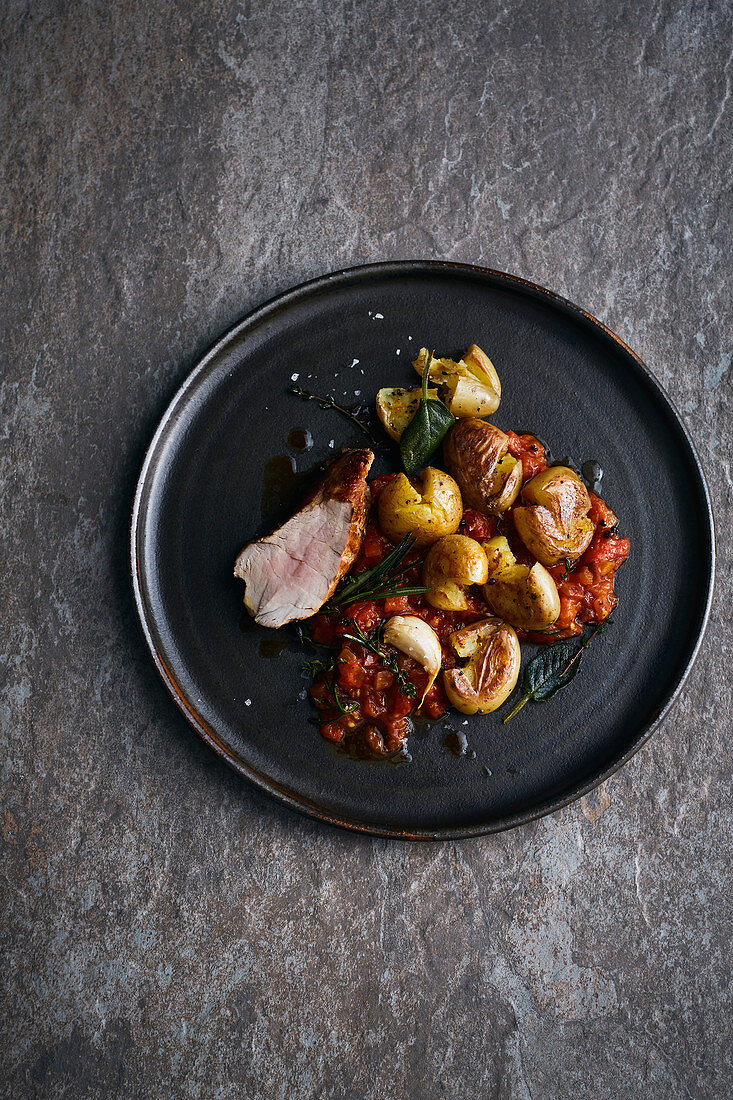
(374, 642)
(316, 667)
(333, 691)
(330, 403)
(378, 581)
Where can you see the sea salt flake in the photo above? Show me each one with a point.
(378, 316)
(294, 377)
(248, 702)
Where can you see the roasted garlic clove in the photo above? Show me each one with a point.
(428, 513)
(471, 385)
(492, 654)
(413, 637)
(452, 563)
(552, 520)
(396, 408)
(524, 596)
(476, 454)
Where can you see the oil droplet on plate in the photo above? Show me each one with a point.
(456, 742)
(592, 471)
(300, 439)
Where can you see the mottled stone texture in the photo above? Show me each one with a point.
(168, 931)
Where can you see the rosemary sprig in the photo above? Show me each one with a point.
(373, 642)
(329, 403)
(378, 581)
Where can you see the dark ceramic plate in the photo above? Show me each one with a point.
(212, 479)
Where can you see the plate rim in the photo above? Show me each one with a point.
(145, 616)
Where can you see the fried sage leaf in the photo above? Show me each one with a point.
(426, 430)
(551, 669)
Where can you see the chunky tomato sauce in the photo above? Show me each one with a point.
(361, 704)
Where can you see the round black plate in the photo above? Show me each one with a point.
(200, 498)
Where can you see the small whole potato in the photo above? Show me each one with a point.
(552, 520)
(470, 387)
(452, 563)
(476, 454)
(397, 406)
(493, 657)
(522, 595)
(428, 512)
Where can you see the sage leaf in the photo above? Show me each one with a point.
(425, 432)
(545, 674)
(551, 669)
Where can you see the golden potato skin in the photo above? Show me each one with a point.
(475, 452)
(451, 563)
(471, 385)
(396, 407)
(492, 669)
(524, 596)
(433, 510)
(552, 520)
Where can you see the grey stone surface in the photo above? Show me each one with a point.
(167, 930)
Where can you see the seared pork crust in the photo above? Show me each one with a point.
(291, 573)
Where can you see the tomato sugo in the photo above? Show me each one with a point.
(366, 707)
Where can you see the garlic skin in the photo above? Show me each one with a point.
(413, 637)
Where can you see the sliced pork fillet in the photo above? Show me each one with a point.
(292, 572)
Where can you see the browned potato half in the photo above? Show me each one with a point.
(475, 452)
(428, 512)
(452, 563)
(524, 596)
(552, 520)
(471, 386)
(396, 408)
(492, 654)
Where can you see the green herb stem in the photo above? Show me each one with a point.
(378, 581)
(330, 403)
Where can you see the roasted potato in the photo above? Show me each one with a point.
(524, 596)
(552, 520)
(428, 513)
(476, 454)
(492, 653)
(471, 386)
(396, 408)
(451, 563)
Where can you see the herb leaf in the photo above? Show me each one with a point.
(378, 581)
(425, 431)
(551, 669)
(373, 642)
